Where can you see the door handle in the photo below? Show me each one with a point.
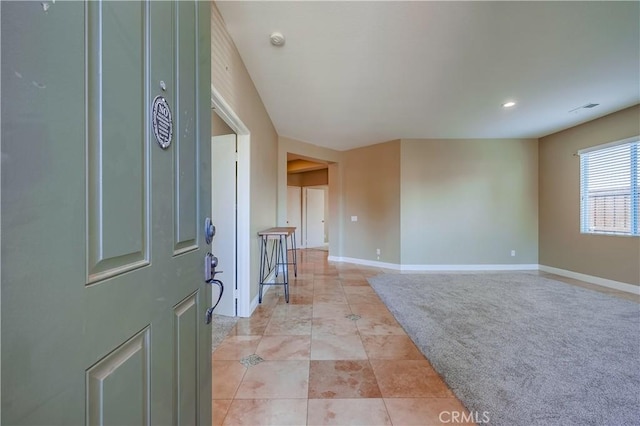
(210, 263)
(208, 315)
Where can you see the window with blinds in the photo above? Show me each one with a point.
(609, 188)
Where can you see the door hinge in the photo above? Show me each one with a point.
(236, 156)
(235, 293)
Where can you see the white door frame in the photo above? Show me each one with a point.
(243, 247)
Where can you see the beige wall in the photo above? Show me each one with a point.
(372, 192)
(469, 202)
(561, 243)
(231, 79)
(433, 202)
(310, 178)
(335, 209)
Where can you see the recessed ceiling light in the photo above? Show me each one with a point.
(508, 104)
(277, 39)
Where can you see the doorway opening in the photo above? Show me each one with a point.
(237, 280)
(308, 200)
(314, 213)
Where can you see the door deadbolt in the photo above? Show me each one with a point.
(209, 230)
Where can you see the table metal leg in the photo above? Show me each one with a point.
(263, 253)
(285, 272)
(274, 253)
(295, 254)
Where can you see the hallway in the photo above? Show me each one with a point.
(333, 356)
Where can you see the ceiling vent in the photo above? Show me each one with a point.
(587, 106)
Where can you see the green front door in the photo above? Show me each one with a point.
(103, 293)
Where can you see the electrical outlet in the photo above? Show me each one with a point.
(378, 252)
(513, 252)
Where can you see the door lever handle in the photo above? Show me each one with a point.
(210, 263)
(209, 312)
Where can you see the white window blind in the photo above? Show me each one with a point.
(609, 188)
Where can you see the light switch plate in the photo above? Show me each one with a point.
(354, 218)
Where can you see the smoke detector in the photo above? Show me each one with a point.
(277, 39)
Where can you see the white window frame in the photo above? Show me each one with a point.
(587, 197)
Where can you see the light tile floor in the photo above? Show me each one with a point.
(333, 356)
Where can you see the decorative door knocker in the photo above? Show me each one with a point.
(162, 121)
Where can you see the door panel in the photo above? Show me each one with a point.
(118, 216)
(185, 342)
(186, 184)
(223, 214)
(107, 403)
(102, 322)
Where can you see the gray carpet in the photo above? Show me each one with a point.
(526, 349)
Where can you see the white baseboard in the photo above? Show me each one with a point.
(473, 267)
(271, 278)
(617, 285)
(426, 268)
(629, 288)
(255, 302)
(364, 262)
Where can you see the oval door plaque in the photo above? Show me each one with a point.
(162, 121)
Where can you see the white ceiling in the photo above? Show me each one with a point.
(357, 73)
